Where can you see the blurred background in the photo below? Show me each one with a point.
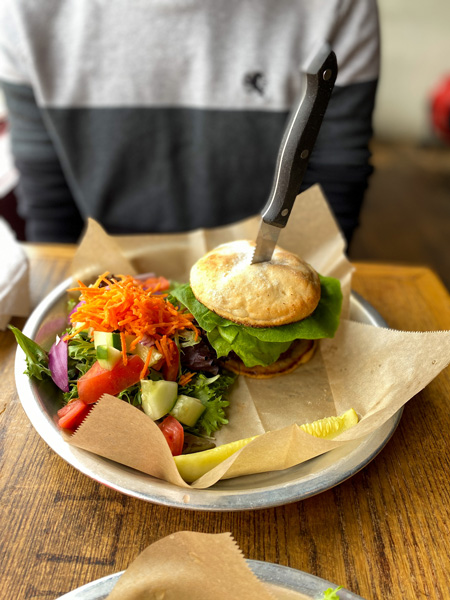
(406, 216)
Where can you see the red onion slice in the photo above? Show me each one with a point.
(147, 340)
(58, 364)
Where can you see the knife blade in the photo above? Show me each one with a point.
(299, 137)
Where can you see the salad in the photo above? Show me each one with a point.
(130, 337)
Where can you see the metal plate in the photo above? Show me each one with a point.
(39, 400)
(285, 584)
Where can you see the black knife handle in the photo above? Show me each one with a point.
(299, 138)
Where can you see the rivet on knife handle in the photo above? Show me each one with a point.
(296, 146)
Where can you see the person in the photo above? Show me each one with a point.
(165, 116)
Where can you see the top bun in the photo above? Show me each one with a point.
(284, 290)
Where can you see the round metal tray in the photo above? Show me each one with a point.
(39, 400)
(285, 583)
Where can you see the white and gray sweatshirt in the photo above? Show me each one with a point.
(166, 115)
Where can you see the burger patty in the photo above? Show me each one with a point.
(299, 352)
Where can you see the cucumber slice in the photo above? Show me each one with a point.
(187, 410)
(103, 338)
(102, 352)
(88, 330)
(116, 341)
(106, 338)
(108, 357)
(158, 397)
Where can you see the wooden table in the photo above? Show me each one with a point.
(382, 534)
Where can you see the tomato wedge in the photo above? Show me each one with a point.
(174, 433)
(170, 371)
(98, 381)
(158, 283)
(71, 415)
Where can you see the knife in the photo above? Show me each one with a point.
(296, 146)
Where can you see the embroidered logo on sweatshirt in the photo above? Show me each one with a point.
(255, 82)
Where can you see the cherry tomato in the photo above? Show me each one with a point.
(174, 433)
(98, 381)
(170, 372)
(71, 415)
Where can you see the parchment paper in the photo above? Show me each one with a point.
(373, 370)
(191, 566)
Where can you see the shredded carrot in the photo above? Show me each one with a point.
(163, 348)
(167, 351)
(159, 347)
(185, 378)
(146, 364)
(102, 279)
(124, 305)
(123, 343)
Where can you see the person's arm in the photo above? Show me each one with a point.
(340, 161)
(44, 198)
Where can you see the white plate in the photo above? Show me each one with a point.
(285, 584)
(39, 400)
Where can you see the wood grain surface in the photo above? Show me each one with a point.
(384, 533)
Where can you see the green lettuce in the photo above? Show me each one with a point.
(36, 357)
(211, 391)
(264, 345)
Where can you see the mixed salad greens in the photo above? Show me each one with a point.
(151, 343)
(131, 338)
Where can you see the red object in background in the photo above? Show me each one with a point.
(440, 108)
(8, 210)
(8, 200)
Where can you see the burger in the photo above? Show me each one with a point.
(263, 319)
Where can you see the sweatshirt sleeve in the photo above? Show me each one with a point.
(44, 198)
(340, 161)
(13, 63)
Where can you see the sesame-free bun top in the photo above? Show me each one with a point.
(284, 290)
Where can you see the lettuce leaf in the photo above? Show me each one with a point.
(263, 345)
(82, 355)
(211, 391)
(249, 348)
(36, 357)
